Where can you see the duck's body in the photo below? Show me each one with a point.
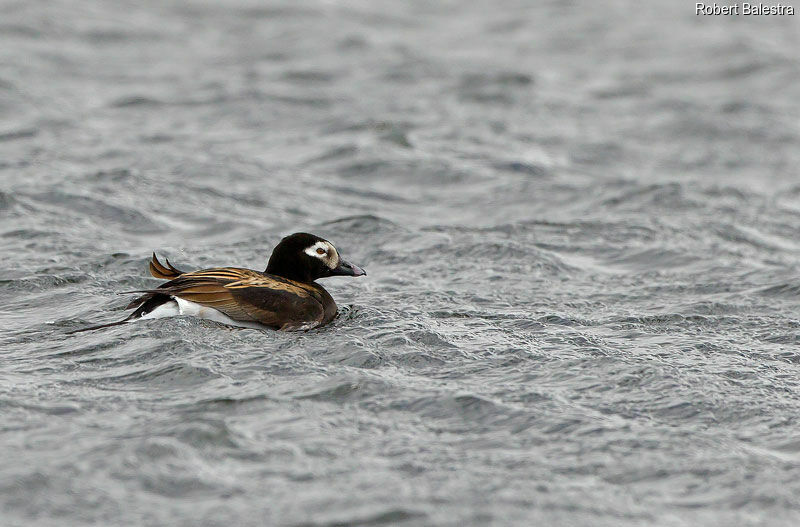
(285, 296)
(236, 296)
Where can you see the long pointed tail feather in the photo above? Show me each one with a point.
(167, 272)
(101, 326)
(144, 304)
(151, 298)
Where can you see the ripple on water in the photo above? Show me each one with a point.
(167, 467)
(7, 202)
(785, 289)
(342, 388)
(171, 377)
(652, 258)
(363, 224)
(125, 218)
(582, 301)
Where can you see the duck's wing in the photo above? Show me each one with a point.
(246, 295)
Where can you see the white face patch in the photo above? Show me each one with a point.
(325, 252)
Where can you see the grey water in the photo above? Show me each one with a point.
(580, 221)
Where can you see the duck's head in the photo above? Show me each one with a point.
(305, 258)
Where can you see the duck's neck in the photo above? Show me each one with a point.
(295, 273)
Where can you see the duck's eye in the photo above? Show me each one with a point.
(320, 251)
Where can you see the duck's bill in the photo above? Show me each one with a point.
(347, 269)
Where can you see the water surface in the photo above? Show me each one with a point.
(580, 221)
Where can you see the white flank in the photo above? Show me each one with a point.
(179, 306)
(167, 309)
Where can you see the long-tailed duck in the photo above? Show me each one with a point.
(285, 296)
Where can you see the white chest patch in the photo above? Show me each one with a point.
(179, 306)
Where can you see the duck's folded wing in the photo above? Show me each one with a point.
(250, 296)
